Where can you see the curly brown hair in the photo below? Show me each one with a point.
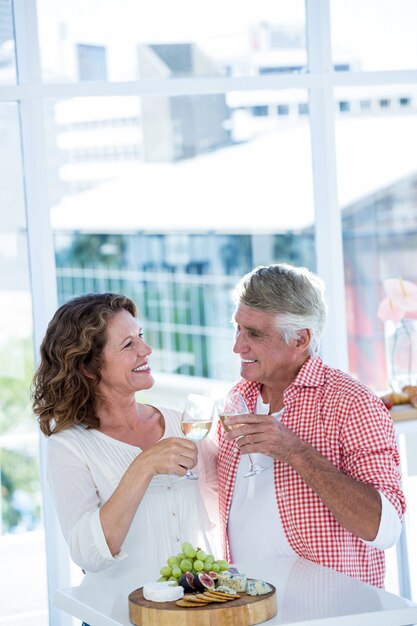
(62, 394)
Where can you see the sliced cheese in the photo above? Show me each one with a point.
(237, 582)
(166, 591)
(257, 587)
(226, 589)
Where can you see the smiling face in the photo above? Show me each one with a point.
(124, 368)
(265, 357)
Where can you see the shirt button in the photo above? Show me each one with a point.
(169, 487)
(177, 539)
(173, 514)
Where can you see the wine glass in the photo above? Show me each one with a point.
(196, 421)
(233, 405)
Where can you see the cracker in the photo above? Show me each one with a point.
(189, 604)
(209, 595)
(223, 594)
(197, 598)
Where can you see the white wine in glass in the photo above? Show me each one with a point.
(196, 421)
(234, 405)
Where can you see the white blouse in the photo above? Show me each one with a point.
(84, 466)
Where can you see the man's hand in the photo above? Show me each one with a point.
(264, 434)
(355, 505)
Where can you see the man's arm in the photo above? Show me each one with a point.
(355, 505)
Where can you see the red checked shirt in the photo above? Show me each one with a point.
(344, 421)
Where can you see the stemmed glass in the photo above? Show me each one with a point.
(232, 405)
(196, 421)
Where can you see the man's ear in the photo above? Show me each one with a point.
(303, 339)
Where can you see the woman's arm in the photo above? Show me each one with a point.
(169, 456)
(94, 531)
(77, 505)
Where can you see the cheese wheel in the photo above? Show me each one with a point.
(166, 591)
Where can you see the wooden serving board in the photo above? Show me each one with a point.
(244, 611)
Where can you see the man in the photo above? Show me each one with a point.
(332, 493)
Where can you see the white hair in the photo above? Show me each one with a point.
(295, 294)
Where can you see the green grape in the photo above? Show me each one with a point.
(162, 579)
(172, 561)
(186, 545)
(180, 557)
(186, 565)
(189, 552)
(215, 567)
(176, 571)
(201, 555)
(173, 578)
(222, 564)
(198, 565)
(210, 557)
(208, 563)
(166, 571)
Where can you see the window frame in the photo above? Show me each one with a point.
(321, 80)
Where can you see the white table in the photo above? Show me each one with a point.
(307, 594)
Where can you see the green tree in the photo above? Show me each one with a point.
(20, 489)
(15, 403)
(93, 250)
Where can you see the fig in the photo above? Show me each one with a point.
(212, 575)
(203, 581)
(186, 581)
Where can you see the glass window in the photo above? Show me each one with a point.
(405, 102)
(133, 40)
(92, 62)
(377, 191)
(365, 104)
(374, 35)
(344, 106)
(303, 108)
(21, 531)
(202, 192)
(7, 47)
(283, 109)
(172, 198)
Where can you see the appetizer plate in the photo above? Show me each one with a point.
(244, 611)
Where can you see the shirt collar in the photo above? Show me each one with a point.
(310, 375)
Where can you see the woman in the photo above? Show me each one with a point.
(115, 466)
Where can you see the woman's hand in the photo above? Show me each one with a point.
(172, 455)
